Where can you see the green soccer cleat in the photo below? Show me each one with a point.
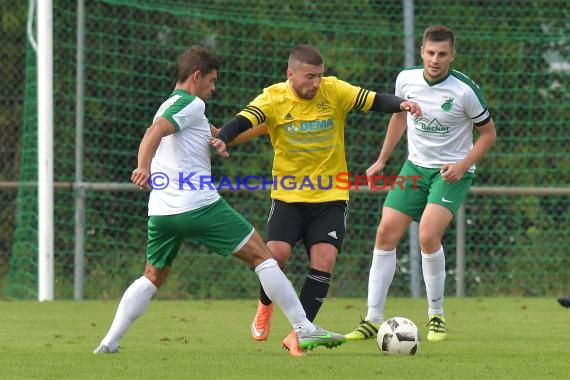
(437, 330)
(365, 330)
(319, 337)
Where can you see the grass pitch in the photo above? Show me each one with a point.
(490, 338)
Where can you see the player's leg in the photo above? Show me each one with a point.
(281, 291)
(162, 248)
(390, 230)
(402, 205)
(443, 202)
(283, 229)
(392, 226)
(433, 224)
(319, 225)
(323, 237)
(225, 231)
(261, 324)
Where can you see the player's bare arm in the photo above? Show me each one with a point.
(147, 148)
(396, 129)
(214, 131)
(453, 172)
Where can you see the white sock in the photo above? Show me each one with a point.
(433, 268)
(134, 302)
(280, 290)
(381, 274)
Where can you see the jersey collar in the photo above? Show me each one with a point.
(437, 81)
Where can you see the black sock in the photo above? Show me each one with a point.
(314, 292)
(263, 297)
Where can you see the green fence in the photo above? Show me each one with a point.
(518, 51)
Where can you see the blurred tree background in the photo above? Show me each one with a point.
(518, 51)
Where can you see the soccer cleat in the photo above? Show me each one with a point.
(319, 337)
(564, 301)
(365, 330)
(291, 344)
(102, 349)
(437, 330)
(261, 322)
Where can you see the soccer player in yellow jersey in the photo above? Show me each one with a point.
(305, 118)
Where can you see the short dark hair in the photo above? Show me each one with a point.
(306, 54)
(197, 58)
(439, 33)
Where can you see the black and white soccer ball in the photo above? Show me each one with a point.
(398, 336)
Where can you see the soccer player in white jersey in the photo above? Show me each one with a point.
(173, 158)
(442, 153)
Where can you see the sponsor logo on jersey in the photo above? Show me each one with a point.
(309, 126)
(430, 126)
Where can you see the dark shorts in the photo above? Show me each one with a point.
(311, 222)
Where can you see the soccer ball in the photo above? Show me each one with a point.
(398, 336)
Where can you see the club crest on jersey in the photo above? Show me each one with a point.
(323, 106)
(447, 103)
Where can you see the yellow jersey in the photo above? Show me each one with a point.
(308, 138)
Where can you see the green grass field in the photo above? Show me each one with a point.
(496, 338)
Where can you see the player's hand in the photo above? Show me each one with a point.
(375, 168)
(140, 177)
(411, 107)
(220, 147)
(451, 172)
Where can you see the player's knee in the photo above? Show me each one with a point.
(429, 243)
(386, 236)
(156, 276)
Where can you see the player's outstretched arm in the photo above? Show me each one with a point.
(251, 133)
(396, 128)
(389, 103)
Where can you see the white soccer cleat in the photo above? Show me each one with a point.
(102, 349)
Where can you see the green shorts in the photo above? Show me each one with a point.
(217, 226)
(423, 186)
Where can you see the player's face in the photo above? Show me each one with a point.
(205, 84)
(436, 57)
(305, 79)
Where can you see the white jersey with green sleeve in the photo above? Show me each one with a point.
(181, 168)
(450, 108)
